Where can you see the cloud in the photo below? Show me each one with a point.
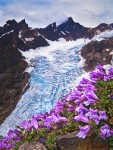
(40, 13)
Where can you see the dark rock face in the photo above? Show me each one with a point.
(97, 30)
(13, 79)
(97, 52)
(70, 142)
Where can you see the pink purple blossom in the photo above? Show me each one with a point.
(83, 131)
(105, 132)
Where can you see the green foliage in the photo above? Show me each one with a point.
(104, 93)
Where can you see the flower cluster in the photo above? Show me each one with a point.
(87, 107)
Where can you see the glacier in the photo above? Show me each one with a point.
(53, 73)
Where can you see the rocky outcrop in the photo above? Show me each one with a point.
(97, 52)
(70, 142)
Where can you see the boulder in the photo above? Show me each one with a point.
(32, 146)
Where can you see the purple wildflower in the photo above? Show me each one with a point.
(59, 106)
(7, 143)
(111, 97)
(102, 115)
(81, 109)
(2, 145)
(54, 118)
(83, 131)
(26, 125)
(80, 88)
(93, 77)
(84, 81)
(34, 123)
(81, 118)
(39, 117)
(89, 87)
(92, 114)
(75, 94)
(110, 73)
(91, 95)
(100, 67)
(105, 132)
(14, 134)
(71, 108)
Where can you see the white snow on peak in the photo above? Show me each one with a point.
(67, 31)
(63, 32)
(6, 33)
(29, 39)
(20, 36)
(55, 30)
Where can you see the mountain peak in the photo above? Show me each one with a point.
(53, 25)
(70, 19)
(11, 22)
(23, 21)
(23, 24)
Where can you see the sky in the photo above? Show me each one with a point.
(40, 13)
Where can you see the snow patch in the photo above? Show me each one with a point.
(29, 39)
(104, 35)
(98, 32)
(111, 53)
(55, 30)
(20, 36)
(29, 69)
(107, 49)
(6, 33)
(63, 32)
